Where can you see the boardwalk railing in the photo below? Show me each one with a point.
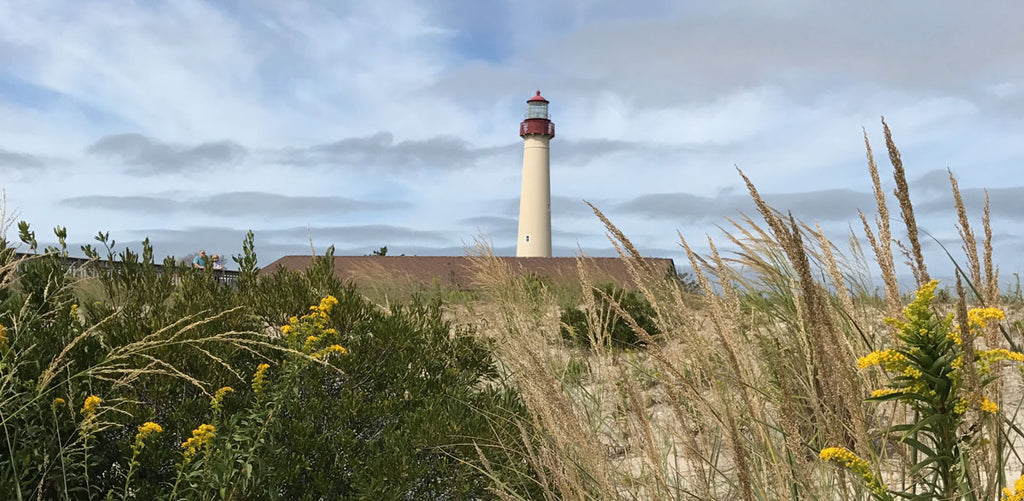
(82, 267)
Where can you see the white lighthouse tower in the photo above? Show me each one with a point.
(534, 238)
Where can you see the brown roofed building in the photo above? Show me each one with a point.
(457, 271)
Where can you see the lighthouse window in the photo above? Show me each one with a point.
(527, 238)
(537, 110)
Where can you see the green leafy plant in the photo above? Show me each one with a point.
(149, 382)
(606, 321)
(935, 371)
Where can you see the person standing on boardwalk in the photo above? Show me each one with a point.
(200, 260)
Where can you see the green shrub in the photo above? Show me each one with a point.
(164, 383)
(611, 326)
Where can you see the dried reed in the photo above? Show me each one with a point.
(902, 193)
(882, 246)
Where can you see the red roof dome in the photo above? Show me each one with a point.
(537, 98)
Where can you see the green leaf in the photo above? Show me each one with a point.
(916, 444)
(929, 461)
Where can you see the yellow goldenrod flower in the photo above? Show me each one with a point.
(218, 397)
(985, 358)
(989, 406)
(334, 348)
(286, 329)
(1001, 354)
(912, 372)
(953, 334)
(919, 307)
(979, 317)
(886, 359)
(74, 311)
(258, 378)
(960, 407)
(1017, 494)
(146, 429)
(200, 437)
(90, 405)
(327, 303)
(892, 322)
(310, 341)
(57, 402)
(855, 464)
(883, 392)
(4, 341)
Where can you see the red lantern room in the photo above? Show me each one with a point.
(537, 120)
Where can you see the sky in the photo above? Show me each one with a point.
(363, 124)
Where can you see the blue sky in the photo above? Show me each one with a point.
(362, 124)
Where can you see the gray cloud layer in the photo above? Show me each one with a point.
(505, 228)
(381, 150)
(1006, 202)
(369, 233)
(242, 203)
(442, 152)
(707, 50)
(147, 156)
(561, 207)
(836, 204)
(18, 161)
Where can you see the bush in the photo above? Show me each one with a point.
(163, 383)
(611, 326)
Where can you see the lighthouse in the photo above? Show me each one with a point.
(534, 239)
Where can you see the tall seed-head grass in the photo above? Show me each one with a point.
(970, 244)
(569, 452)
(991, 273)
(906, 208)
(882, 246)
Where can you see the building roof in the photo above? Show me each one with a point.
(457, 271)
(538, 97)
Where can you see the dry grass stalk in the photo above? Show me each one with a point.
(832, 267)
(972, 387)
(859, 278)
(793, 469)
(761, 254)
(569, 451)
(970, 244)
(906, 207)
(7, 218)
(883, 246)
(836, 377)
(598, 333)
(991, 274)
(650, 447)
(725, 278)
(663, 294)
(723, 329)
(619, 236)
(666, 298)
(787, 359)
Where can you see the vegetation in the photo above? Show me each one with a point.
(600, 316)
(777, 372)
(753, 390)
(154, 384)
